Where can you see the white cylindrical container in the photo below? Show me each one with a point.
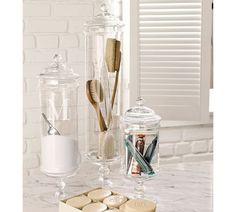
(58, 155)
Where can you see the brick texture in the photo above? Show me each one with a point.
(30, 161)
(199, 146)
(28, 42)
(72, 10)
(182, 148)
(197, 133)
(47, 41)
(166, 150)
(32, 10)
(170, 135)
(69, 41)
(46, 26)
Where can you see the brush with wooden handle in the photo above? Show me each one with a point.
(113, 58)
(94, 92)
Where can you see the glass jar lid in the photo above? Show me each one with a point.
(104, 19)
(141, 115)
(58, 73)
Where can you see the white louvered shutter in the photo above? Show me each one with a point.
(173, 56)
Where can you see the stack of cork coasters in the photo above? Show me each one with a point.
(103, 200)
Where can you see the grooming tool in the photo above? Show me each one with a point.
(129, 156)
(145, 166)
(139, 144)
(94, 92)
(112, 53)
(151, 150)
(51, 130)
(108, 146)
(113, 58)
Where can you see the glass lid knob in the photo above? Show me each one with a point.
(139, 101)
(104, 9)
(57, 58)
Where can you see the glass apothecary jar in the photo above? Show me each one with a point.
(140, 127)
(103, 80)
(59, 131)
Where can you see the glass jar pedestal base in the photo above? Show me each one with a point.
(104, 177)
(55, 197)
(139, 188)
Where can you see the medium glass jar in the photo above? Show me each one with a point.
(103, 79)
(59, 131)
(140, 126)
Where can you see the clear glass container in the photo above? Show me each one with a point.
(59, 132)
(103, 76)
(140, 126)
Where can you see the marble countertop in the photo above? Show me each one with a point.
(183, 187)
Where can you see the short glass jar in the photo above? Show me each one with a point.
(140, 126)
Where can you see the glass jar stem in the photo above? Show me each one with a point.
(60, 193)
(139, 189)
(104, 171)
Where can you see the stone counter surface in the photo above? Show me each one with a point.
(183, 187)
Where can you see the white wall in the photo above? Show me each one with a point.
(55, 26)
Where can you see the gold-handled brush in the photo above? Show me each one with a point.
(112, 51)
(113, 58)
(94, 92)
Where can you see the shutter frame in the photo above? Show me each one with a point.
(159, 55)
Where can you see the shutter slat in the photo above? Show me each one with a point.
(169, 29)
(171, 92)
(169, 70)
(157, 6)
(170, 86)
(173, 23)
(169, 75)
(171, 58)
(168, 99)
(170, 81)
(176, 37)
(169, 52)
(150, 46)
(170, 1)
(170, 12)
(169, 64)
(179, 17)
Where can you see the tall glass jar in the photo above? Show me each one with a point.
(59, 131)
(103, 76)
(140, 126)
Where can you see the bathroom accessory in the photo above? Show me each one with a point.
(103, 143)
(94, 92)
(103, 199)
(140, 126)
(145, 166)
(113, 58)
(60, 157)
(151, 150)
(51, 130)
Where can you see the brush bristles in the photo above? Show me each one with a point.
(96, 91)
(112, 51)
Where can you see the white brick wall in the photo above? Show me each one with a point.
(49, 27)
(57, 27)
(186, 144)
